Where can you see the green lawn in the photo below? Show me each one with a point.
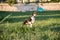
(46, 26)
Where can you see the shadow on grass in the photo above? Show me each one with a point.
(46, 17)
(13, 20)
(21, 19)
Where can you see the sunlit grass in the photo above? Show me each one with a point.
(46, 27)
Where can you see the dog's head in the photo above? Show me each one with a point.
(34, 14)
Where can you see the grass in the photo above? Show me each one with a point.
(46, 26)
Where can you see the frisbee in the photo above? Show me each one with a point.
(39, 9)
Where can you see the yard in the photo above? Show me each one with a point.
(46, 26)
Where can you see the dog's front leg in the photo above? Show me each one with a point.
(31, 25)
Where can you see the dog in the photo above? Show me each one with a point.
(30, 20)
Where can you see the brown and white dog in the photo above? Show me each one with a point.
(29, 21)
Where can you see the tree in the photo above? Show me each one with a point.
(11, 2)
(3, 1)
(28, 1)
(54, 0)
